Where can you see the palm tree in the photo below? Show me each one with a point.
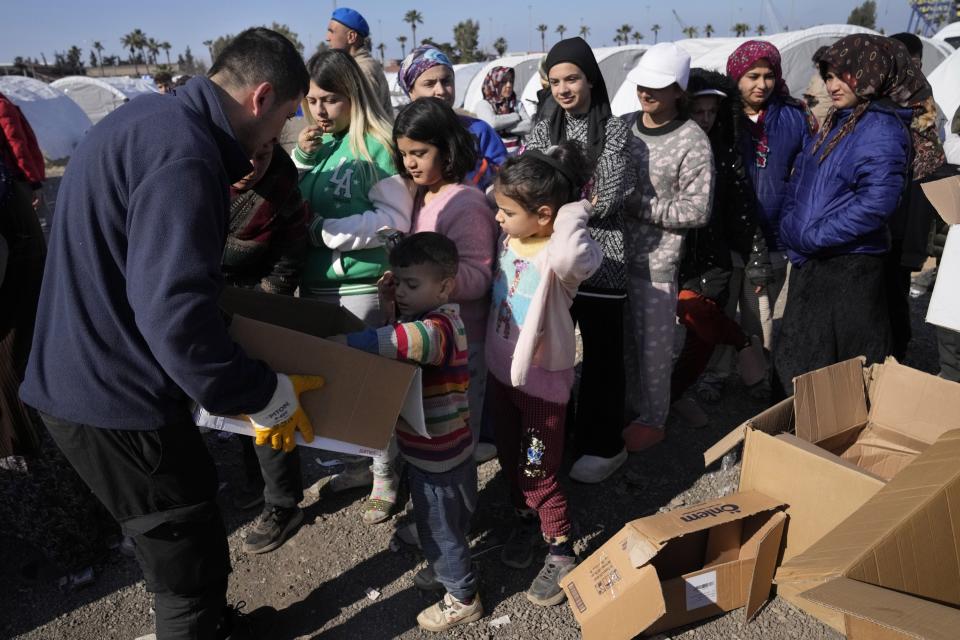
(98, 47)
(542, 28)
(584, 31)
(761, 29)
(166, 49)
(130, 42)
(381, 48)
(403, 46)
(500, 46)
(656, 32)
(708, 30)
(209, 45)
(561, 29)
(154, 48)
(690, 32)
(413, 17)
(637, 37)
(623, 34)
(741, 29)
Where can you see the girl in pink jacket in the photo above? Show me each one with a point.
(545, 252)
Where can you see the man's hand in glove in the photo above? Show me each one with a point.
(283, 416)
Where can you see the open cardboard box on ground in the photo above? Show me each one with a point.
(674, 568)
(944, 307)
(892, 569)
(358, 407)
(855, 428)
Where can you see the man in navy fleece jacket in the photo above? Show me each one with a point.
(128, 330)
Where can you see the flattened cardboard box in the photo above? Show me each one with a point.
(860, 426)
(674, 568)
(357, 409)
(905, 541)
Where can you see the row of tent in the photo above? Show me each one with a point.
(64, 110)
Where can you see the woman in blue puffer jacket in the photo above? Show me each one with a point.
(845, 187)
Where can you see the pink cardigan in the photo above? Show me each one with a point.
(463, 214)
(546, 341)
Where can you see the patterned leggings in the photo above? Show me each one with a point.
(529, 433)
(653, 311)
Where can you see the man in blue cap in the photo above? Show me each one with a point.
(349, 31)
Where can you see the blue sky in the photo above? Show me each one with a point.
(35, 27)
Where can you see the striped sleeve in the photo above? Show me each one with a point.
(424, 341)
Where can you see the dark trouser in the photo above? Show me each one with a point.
(837, 310)
(279, 471)
(948, 344)
(443, 504)
(597, 415)
(530, 434)
(161, 486)
(707, 326)
(898, 300)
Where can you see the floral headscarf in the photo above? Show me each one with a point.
(493, 90)
(876, 67)
(418, 61)
(748, 54)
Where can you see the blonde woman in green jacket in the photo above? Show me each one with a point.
(350, 184)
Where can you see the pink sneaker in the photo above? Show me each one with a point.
(640, 437)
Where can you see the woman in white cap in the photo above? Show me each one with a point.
(674, 193)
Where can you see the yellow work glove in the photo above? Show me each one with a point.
(278, 422)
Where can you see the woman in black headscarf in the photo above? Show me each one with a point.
(584, 116)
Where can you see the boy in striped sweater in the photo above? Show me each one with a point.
(425, 329)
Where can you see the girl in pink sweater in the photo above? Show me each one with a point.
(435, 151)
(545, 252)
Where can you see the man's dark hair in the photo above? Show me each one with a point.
(533, 182)
(261, 55)
(913, 43)
(427, 247)
(433, 121)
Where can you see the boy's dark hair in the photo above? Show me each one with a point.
(913, 43)
(427, 247)
(534, 181)
(162, 77)
(261, 55)
(432, 121)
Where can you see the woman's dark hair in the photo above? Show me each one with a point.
(432, 121)
(726, 128)
(534, 181)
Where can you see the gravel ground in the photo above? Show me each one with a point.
(318, 580)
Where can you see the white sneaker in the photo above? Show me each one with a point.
(594, 469)
(450, 612)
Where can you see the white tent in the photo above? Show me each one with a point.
(796, 51)
(99, 96)
(57, 121)
(934, 52)
(524, 67)
(464, 75)
(614, 62)
(945, 81)
(950, 33)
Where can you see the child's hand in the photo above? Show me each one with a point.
(308, 140)
(339, 339)
(387, 293)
